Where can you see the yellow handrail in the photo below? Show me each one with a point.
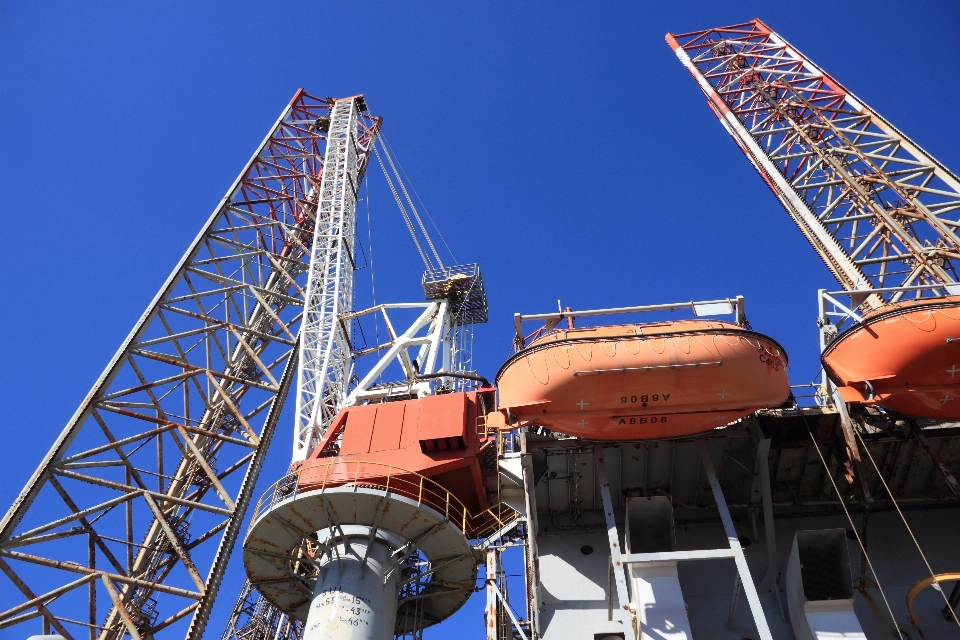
(923, 584)
(392, 479)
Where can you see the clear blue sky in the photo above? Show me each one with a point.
(560, 145)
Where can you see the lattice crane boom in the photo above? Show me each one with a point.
(880, 211)
(126, 526)
(325, 353)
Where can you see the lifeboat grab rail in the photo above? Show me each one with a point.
(952, 289)
(830, 308)
(649, 367)
(817, 393)
(859, 296)
(724, 306)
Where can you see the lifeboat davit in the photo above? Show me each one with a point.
(639, 381)
(904, 356)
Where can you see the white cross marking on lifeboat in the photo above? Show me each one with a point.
(583, 422)
(582, 404)
(723, 394)
(953, 370)
(947, 398)
(718, 418)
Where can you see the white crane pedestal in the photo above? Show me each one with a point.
(359, 562)
(355, 595)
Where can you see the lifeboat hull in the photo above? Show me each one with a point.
(905, 357)
(634, 382)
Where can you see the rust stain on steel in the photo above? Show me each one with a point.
(403, 527)
(293, 509)
(263, 544)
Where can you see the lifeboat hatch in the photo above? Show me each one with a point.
(641, 381)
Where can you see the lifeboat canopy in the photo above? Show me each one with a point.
(904, 356)
(642, 381)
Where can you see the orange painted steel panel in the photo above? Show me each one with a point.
(356, 436)
(631, 382)
(447, 417)
(411, 425)
(908, 352)
(388, 426)
(367, 429)
(446, 425)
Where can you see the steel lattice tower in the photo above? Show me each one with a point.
(127, 524)
(879, 210)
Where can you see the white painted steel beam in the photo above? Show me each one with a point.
(623, 598)
(763, 629)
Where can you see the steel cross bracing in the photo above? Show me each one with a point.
(253, 618)
(325, 354)
(879, 210)
(126, 526)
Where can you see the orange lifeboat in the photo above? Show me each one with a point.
(639, 381)
(904, 356)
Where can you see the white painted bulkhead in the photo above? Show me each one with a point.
(819, 587)
(573, 579)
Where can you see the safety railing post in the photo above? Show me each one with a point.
(338, 474)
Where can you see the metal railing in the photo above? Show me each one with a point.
(811, 394)
(391, 479)
(508, 440)
(725, 306)
(461, 283)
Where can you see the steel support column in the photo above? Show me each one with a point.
(763, 630)
(490, 614)
(623, 598)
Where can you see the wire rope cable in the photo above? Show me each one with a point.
(906, 524)
(853, 527)
(413, 209)
(403, 211)
(420, 200)
(373, 283)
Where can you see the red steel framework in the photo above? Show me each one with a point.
(880, 211)
(127, 524)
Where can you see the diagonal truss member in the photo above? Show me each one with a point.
(879, 210)
(126, 526)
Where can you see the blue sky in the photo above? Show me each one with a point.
(562, 146)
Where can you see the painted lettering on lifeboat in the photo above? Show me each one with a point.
(904, 356)
(640, 381)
